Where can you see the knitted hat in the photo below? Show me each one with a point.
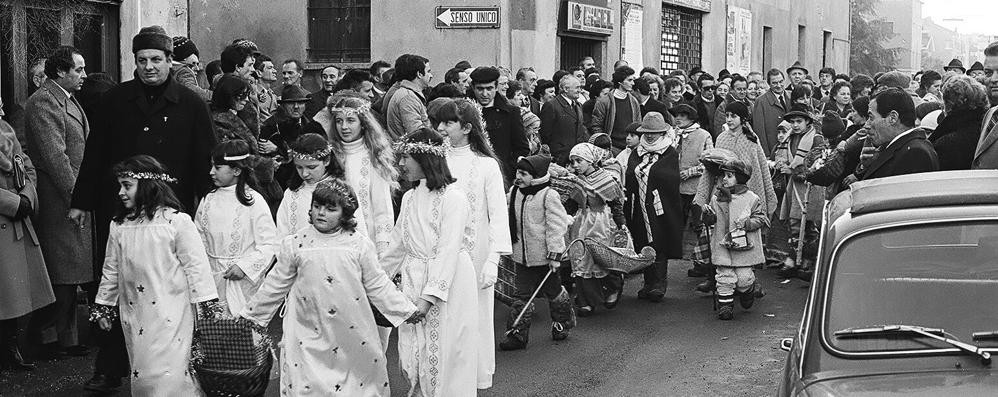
(484, 75)
(832, 125)
(739, 109)
(894, 79)
(152, 38)
(686, 109)
(536, 165)
(183, 48)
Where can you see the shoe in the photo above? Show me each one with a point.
(653, 295)
(558, 331)
(10, 355)
(612, 300)
(725, 308)
(789, 269)
(643, 294)
(747, 299)
(805, 274)
(102, 384)
(707, 287)
(76, 351)
(584, 311)
(512, 343)
(696, 271)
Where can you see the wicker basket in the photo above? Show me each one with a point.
(233, 363)
(621, 260)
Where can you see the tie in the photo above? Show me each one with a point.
(783, 102)
(989, 126)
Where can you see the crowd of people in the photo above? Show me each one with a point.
(382, 201)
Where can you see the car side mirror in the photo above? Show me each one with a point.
(786, 344)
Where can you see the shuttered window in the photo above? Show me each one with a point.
(339, 31)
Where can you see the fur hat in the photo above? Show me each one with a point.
(686, 109)
(536, 165)
(739, 109)
(184, 47)
(152, 38)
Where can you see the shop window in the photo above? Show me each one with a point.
(574, 49)
(339, 31)
(682, 39)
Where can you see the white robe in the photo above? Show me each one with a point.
(154, 270)
(235, 234)
(439, 356)
(374, 192)
(292, 214)
(486, 238)
(331, 346)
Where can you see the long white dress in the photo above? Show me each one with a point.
(292, 214)
(331, 346)
(235, 234)
(486, 238)
(154, 270)
(374, 192)
(439, 356)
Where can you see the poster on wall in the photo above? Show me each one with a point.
(631, 18)
(738, 45)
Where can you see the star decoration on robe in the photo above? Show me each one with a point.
(135, 374)
(141, 288)
(141, 330)
(336, 350)
(332, 312)
(337, 387)
(329, 279)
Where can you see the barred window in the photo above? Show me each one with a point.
(339, 31)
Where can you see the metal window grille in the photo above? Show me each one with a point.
(339, 30)
(682, 39)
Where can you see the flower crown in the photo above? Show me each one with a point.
(316, 155)
(423, 147)
(347, 111)
(339, 188)
(147, 175)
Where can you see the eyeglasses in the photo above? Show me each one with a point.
(989, 72)
(709, 87)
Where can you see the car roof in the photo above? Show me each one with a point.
(921, 190)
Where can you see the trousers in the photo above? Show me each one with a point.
(730, 279)
(528, 280)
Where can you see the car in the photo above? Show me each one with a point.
(903, 299)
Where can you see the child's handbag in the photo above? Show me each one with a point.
(738, 240)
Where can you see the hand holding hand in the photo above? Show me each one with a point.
(234, 273)
(76, 216)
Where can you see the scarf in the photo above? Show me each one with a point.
(602, 184)
(724, 193)
(539, 184)
(803, 148)
(656, 148)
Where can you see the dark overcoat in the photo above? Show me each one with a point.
(663, 188)
(909, 154)
(506, 133)
(562, 127)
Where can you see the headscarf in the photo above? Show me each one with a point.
(589, 152)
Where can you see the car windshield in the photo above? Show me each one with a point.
(939, 275)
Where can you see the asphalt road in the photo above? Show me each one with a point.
(673, 348)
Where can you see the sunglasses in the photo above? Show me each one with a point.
(710, 87)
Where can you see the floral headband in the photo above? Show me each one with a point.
(147, 175)
(339, 188)
(348, 111)
(424, 148)
(316, 155)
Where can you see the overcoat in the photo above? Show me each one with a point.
(956, 137)
(663, 193)
(505, 130)
(909, 154)
(562, 127)
(766, 116)
(24, 282)
(175, 128)
(57, 130)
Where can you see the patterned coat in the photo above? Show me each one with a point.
(57, 132)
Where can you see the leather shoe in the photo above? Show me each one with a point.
(102, 384)
(612, 300)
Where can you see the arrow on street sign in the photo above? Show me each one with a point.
(459, 17)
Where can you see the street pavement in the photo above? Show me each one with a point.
(673, 348)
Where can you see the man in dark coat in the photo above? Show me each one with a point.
(767, 114)
(707, 103)
(502, 120)
(562, 125)
(317, 100)
(903, 148)
(653, 206)
(286, 126)
(642, 91)
(151, 115)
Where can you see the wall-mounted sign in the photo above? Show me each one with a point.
(632, 17)
(738, 48)
(459, 17)
(700, 5)
(589, 19)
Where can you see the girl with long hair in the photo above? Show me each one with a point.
(329, 277)
(439, 356)
(487, 237)
(364, 151)
(236, 226)
(154, 268)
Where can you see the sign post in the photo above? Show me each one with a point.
(461, 17)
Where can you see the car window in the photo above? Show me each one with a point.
(941, 275)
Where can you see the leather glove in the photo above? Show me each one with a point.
(709, 217)
(490, 272)
(24, 209)
(696, 214)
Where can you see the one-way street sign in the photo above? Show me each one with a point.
(460, 17)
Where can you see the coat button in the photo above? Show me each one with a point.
(3, 227)
(145, 129)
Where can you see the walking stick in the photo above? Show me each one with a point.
(525, 306)
(803, 222)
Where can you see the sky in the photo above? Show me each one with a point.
(979, 16)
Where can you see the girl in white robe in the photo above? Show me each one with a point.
(439, 356)
(236, 227)
(155, 268)
(314, 162)
(330, 276)
(476, 167)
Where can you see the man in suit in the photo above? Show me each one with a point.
(57, 130)
(768, 111)
(502, 120)
(903, 148)
(986, 155)
(561, 120)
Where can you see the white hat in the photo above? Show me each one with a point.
(931, 120)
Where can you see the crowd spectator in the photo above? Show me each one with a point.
(561, 121)
(956, 137)
(613, 113)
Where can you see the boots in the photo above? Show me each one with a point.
(513, 341)
(517, 334)
(707, 286)
(558, 331)
(725, 307)
(747, 299)
(10, 355)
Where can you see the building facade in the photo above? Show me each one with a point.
(904, 17)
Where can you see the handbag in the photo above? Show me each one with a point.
(701, 251)
(232, 357)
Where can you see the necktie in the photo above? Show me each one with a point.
(783, 102)
(989, 126)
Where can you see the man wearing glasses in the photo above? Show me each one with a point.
(706, 103)
(986, 156)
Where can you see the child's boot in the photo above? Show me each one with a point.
(513, 341)
(558, 331)
(747, 298)
(517, 333)
(562, 315)
(725, 307)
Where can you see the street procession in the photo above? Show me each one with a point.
(513, 198)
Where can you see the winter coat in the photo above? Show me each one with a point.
(176, 129)
(794, 196)
(956, 137)
(986, 155)
(229, 126)
(24, 282)
(316, 102)
(541, 226)
(57, 130)
(761, 181)
(661, 202)
(281, 130)
(705, 113)
(504, 126)
(766, 116)
(562, 127)
(910, 154)
(749, 204)
(187, 77)
(690, 147)
(604, 113)
(405, 109)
